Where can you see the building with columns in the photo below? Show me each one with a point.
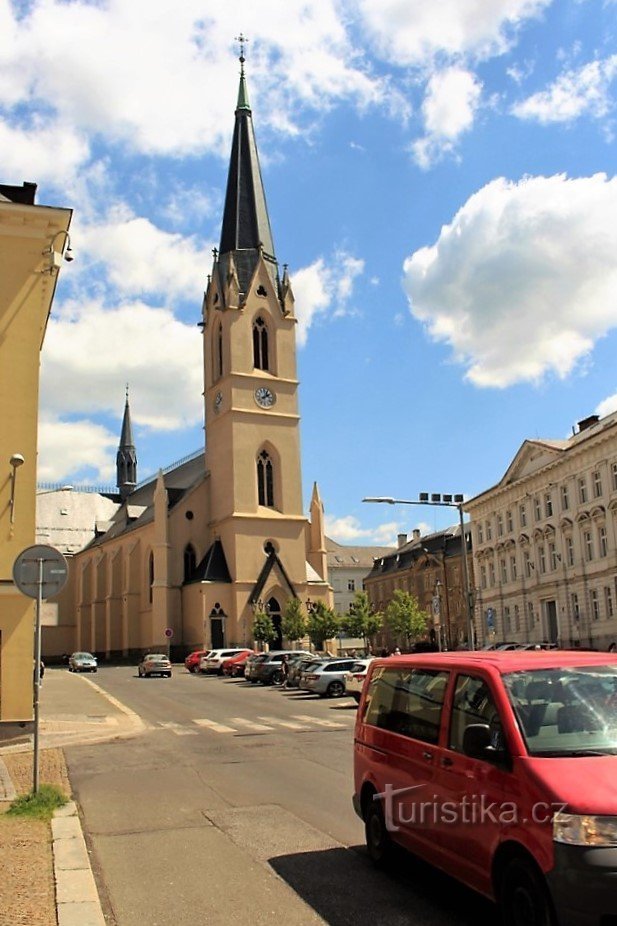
(545, 542)
(196, 550)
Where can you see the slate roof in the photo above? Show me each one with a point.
(213, 567)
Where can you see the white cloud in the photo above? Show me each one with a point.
(348, 529)
(523, 281)
(141, 258)
(323, 287)
(607, 406)
(585, 90)
(449, 107)
(49, 151)
(90, 352)
(415, 32)
(71, 448)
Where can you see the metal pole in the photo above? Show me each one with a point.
(37, 676)
(470, 633)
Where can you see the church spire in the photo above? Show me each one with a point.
(246, 231)
(126, 458)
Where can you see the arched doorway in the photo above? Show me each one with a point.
(217, 627)
(274, 610)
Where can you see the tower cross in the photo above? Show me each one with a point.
(243, 40)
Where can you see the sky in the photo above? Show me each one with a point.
(440, 179)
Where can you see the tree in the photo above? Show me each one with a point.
(293, 624)
(405, 616)
(322, 624)
(263, 628)
(361, 621)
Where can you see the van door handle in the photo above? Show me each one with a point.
(446, 762)
(427, 755)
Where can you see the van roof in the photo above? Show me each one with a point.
(503, 660)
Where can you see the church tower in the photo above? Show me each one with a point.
(126, 458)
(251, 402)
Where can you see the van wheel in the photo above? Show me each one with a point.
(378, 841)
(523, 896)
(336, 690)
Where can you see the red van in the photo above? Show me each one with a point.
(500, 768)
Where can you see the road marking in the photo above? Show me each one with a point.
(322, 723)
(284, 723)
(177, 728)
(215, 727)
(258, 727)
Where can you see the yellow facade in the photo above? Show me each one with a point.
(27, 283)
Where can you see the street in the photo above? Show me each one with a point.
(235, 801)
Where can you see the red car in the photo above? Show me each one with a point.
(192, 660)
(499, 768)
(234, 666)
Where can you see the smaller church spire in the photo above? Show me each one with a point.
(126, 458)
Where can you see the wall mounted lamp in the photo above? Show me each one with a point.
(16, 461)
(56, 257)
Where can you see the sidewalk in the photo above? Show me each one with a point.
(70, 887)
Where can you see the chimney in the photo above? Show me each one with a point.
(401, 540)
(416, 533)
(587, 422)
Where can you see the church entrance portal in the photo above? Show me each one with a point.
(217, 628)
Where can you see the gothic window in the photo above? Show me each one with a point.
(217, 350)
(260, 344)
(265, 480)
(190, 562)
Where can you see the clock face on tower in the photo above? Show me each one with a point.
(265, 397)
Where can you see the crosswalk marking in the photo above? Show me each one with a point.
(177, 728)
(322, 723)
(284, 723)
(214, 726)
(257, 727)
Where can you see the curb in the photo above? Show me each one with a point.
(77, 899)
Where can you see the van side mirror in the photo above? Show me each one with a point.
(477, 740)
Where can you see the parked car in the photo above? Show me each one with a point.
(354, 679)
(531, 735)
(248, 668)
(193, 659)
(82, 662)
(213, 662)
(268, 670)
(234, 665)
(154, 664)
(326, 679)
(297, 666)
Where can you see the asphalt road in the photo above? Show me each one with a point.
(234, 806)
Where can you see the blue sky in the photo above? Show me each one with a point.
(440, 179)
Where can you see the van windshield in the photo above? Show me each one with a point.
(566, 712)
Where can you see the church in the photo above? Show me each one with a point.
(189, 557)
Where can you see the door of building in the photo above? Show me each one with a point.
(274, 610)
(217, 634)
(552, 625)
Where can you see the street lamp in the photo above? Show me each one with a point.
(442, 501)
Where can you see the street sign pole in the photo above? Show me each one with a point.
(37, 676)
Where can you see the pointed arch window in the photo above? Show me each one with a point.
(265, 480)
(190, 562)
(218, 352)
(260, 344)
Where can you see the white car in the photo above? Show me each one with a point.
(213, 662)
(354, 679)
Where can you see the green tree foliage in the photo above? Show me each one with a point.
(263, 628)
(322, 624)
(293, 624)
(404, 615)
(361, 621)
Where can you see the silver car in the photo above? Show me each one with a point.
(326, 679)
(154, 664)
(82, 662)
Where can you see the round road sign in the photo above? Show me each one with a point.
(40, 570)
(169, 632)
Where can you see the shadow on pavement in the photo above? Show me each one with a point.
(342, 886)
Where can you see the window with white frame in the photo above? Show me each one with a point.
(608, 601)
(522, 514)
(542, 558)
(480, 533)
(537, 509)
(506, 618)
(569, 542)
(517, 620)
(614, 476)
(351, 585)
(509, 520)
(597, 484)
(530, 615)
(513, 568)
(528, 564)
(552, 553)
(582, 490)
(489, 530)
(595, 604)
(503, 570)
(588, 545)
(500, 525)
(491, 574)
(602, 541)
(548, 505)
(576, 612)
(565, 498)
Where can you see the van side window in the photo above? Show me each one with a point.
(473, 703)
(407, 701)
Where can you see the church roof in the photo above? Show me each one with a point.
(126, 437)
(213, 567)
(246, 225)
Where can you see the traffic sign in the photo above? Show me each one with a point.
(40, 571)
(169, 633)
